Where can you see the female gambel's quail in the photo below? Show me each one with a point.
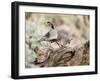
(58, 35)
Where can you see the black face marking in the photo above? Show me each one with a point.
(47, 35)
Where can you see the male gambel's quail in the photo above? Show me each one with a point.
(58, 35)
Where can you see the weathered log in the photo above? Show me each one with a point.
(65, 56)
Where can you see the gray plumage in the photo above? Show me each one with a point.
(58, 35)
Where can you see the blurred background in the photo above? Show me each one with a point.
(36, 27)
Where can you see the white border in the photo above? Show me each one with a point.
(38, 71)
